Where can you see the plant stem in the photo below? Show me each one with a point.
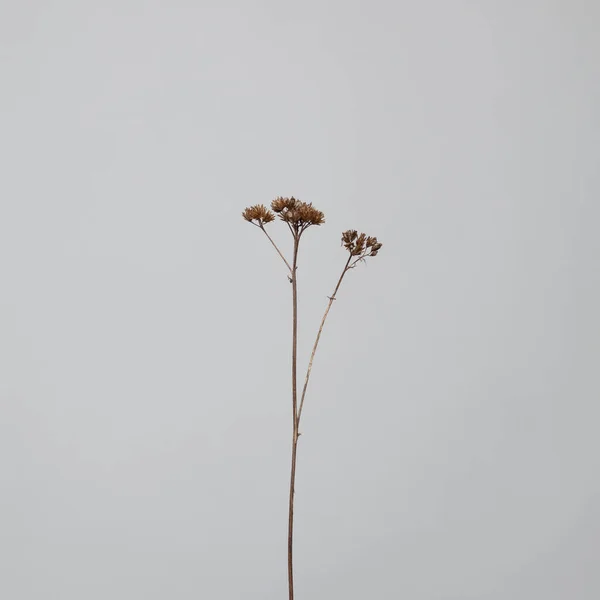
(287, 264)
(295, 418)
(297, 412)
(314, 350)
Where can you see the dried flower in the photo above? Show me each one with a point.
(375, 249)
(279, 204)
(297, 213)
(360, 244)
(259, 213)
(298, 216)
(348, 238)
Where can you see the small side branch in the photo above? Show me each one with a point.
(314, 350)
(287, 264)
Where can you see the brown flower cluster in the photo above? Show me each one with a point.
(259, 213)
(299, 215)
(360, 244)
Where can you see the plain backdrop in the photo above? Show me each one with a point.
(450, 445)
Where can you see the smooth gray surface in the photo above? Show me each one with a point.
(450, 446)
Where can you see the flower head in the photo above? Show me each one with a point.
(360, 245)
(298, 214)
(259, 213)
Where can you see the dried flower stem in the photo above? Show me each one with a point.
(314, 350)
(299, 216)
(294, 417)
(287, 264)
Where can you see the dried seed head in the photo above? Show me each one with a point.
(348, 238)
(298, 214)
(309, 215)
(360, 244)
(259, 213)
(279, 204)
(375, 249)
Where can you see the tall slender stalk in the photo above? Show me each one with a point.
(294, 415)
(299, 216)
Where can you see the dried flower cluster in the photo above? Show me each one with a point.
(298, 214)
(259, 213)
(360, 244)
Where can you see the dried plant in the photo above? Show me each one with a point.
(299, 216)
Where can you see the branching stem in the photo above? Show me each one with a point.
(299, 216)
(314, 350)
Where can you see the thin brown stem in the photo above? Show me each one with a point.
(360, 258)
(314, 350)
(287, 264)
(295, 419)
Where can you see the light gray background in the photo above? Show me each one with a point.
(450, 446)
